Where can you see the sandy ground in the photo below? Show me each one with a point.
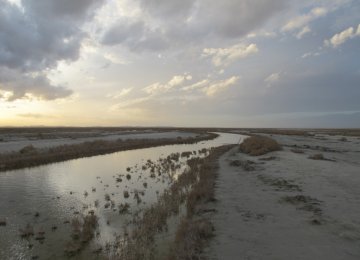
(11, 143)
(290, 207)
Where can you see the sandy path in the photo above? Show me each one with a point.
(254, 222)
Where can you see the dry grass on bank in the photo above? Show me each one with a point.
(30, 156)
(196, 229)
(259, 145)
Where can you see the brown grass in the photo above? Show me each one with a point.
(82, 233)
(30, 156)
(318, 156)
(194, 186)
(259, 145)
(195, 230)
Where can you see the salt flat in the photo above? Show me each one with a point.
(290, 206)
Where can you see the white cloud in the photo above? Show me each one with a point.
(129, 103)
(309, 54)
(174, 82)
(342, 37)
(264, 34)
(303, 31)
(303, 20)
(123, 92)
(219, 86)
(197, 85)
(226, 56)
(272, 78)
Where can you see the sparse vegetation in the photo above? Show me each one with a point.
(124, 208)
(318, 156)
(30, 156)
(306, 203)
(259, 145)
(280, 184)
(245, 165)
(2, 222)
(82, 232)
(194, 186)
(26, 232)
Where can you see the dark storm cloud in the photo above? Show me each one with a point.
(191, 22)
(35, 37)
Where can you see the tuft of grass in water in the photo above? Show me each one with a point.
(126, 194)
(259, 145)
(82, 233)
(194, 185)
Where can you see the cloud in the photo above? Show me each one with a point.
(303, 20)
(175, 81)
(228, 18)
(272, 78)
(226, 56)
(163, 24)
(197, 85)
(35, 115)
(310, 54)
(136, 35)
(303, 31)
(340, 38)
(219, 86)
(19, 86)
(122, 93)
(129, 103)
(35, 35)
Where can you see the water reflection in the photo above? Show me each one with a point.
(59, 191)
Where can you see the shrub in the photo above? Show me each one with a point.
(259, 145)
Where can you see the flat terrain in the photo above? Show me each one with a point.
(284, 205)
(14, 141)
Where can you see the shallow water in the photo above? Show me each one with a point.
(57, 192)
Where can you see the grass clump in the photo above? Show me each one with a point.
(318, 156)
(83, 230)
(259, 145)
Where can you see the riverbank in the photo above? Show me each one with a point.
(30, 156)
(297, 203)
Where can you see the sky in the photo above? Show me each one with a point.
(192, 63)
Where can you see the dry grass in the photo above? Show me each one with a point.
(194, 186)
(195, 230)
(2, 222)
(282, 131)
(30, 156)
(318, 156)
(190, 238)
(259, 145)
(83, 230)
